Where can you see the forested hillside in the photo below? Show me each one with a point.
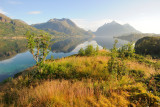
(148, 46)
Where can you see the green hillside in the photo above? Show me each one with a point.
(13, 27)
(148, 46)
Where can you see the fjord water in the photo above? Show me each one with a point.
(22, 61)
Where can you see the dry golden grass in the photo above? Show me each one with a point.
(69, 94)
(139, 66)
(84, 92)
(66, 93)
(56, 93)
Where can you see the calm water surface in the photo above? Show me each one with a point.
(21, 61)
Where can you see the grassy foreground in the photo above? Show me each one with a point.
(84, 81)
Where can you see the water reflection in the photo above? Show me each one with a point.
(68, 44)
(108, 42)
(60, 48)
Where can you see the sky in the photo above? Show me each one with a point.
(144, 15)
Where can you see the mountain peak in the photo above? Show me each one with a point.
(115, 29)
(114, 22)
(63, 21)
(127, 25)
(55, 19)
(111, 23)
(63, 25)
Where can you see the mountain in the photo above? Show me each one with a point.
(115, 29)
(63, 27)
(14, 27)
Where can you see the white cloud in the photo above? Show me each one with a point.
(34, 12)
(15, 2)
(3, 12)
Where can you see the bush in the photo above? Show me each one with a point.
(81, 52)
(127, 51)
(89, 51)
(116, 66)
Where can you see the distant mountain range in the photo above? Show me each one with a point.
(62, 27)
(14, 27)
(65, 28)
(115, 29)
(57, 27)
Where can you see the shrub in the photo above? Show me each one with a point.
(127, 50)
(116, 66)
(89, 51)
(81, 52)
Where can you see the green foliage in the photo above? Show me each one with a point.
(113, 62)
(89, 51)
(143, 59)
(91, 73)
(116, 66)
(38, 46)
(52, 57)
(104, 48)
(97, 49)
(148, 46)
(15, 28)
(127, 50)
(81, 52)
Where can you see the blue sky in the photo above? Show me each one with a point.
(144, 15)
